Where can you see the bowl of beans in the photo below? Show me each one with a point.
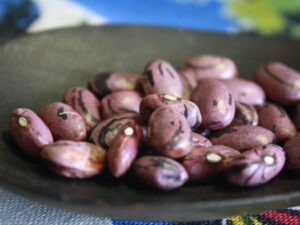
(151, 123)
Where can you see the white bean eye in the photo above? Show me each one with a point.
(129, 131)
(23, 121)
(213, 157)
(269, 160)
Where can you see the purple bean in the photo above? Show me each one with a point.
(105, 83)
(243, 137)
(208, 66)
(215, 103)
(169, 132)
(160, 172)
(74, 159)
(124, 149)
(256, 166)
(205, 164)
(63, 121)
(120, 102)
(85, 103)
(159, 77)
(29, 131)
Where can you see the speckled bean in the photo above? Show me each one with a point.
(215, 103)
(74, 159)
(280, 82)
(124, 149)
(160, 172)
(187, 108)
(189, 82)
(200, 141)
(159, 77)
(246, 91)
(205, 164)
(244, 115)
(85, 103)
(274, 117)
(63, 121)
(243, 137)
(296, 115)
(169, 132)
(106, 130)
(209, 66)
(120, 102)
(291, 148)
(29, 131)
(256, 166)
(105, 83)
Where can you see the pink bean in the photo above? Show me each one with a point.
(159, 77)
(208, 66)
(160, 172)
(124, 149)
(246, 91)
(74, 159)
(274, 117)
(205, 164)
(215, 103)
(29, 131)
(106, 130)
(120, 102)
(256, 166)
(280, 82)
(85, 103)
(291, 148)
(187, 108)
(169, 132)
(243, 137)
(63, 121)
(105, 83)
(244, 115)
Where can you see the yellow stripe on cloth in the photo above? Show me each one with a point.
(240, 220)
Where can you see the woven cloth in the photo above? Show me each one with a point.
(18, 210)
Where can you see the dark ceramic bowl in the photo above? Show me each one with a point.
(36, 70)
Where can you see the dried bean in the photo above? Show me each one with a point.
(63, 121)
(189, 82)
(120, 102)
(105, 83)
(274, 117)
(200, 141)
(205, 164)
(160, 172)
(85, 103)
(280, 82)
(296, 116)
(215, 102)
(243, 137)
(256, 166)
(74, 159)
(291, 148)
(189, 109)
(159, 77)
(124, 149)
(244, 115)
(246, 91)
(208, 66)
(169, 132)
(29, 131)
(106, 130)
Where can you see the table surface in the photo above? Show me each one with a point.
(16, 209)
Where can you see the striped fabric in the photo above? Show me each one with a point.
(290, 216)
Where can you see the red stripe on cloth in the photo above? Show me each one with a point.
(282, 217)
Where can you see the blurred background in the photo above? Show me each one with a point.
(257, 17)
